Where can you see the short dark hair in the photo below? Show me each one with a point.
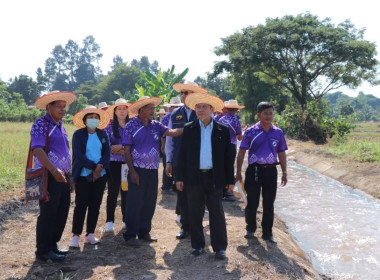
(264, 105)
(85, 116)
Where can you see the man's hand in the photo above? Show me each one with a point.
(230, 187)
(179, 185)
(134, 177)
(284, 179)
(169, 170)
(59, 176)
(238, 177)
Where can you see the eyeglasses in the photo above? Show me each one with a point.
(185, 92)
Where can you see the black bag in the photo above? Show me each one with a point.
(36, 179)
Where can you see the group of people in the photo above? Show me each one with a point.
(197, 138)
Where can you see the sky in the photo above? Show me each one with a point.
(173, 32)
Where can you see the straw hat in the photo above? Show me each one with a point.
(189, 86)
(233, 104)
(103, 105)
(166, 105)
(196, 98)
(44, 100)
(118, 102)
(145, 100)
(175, 101)
(78, 117)
(161, 112)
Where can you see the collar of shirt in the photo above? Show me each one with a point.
(258, 126)
(50, 119)
(209, 126)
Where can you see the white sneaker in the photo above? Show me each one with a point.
(74, 242)
(109, 227)
(178, 220)
(90, 238)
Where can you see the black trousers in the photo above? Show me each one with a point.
(88, 198)
(256, 180)
(53, 216)
(198, 196)
(182, 208)
(114, 188)
(141, 203)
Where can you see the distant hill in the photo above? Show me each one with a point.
(366, 107)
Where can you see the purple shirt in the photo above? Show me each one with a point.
(233, 124)
(165, 119)
(217, 117)
(59, 150)
(115, 141)
(263, 146)
(144, 142)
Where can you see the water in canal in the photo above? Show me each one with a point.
(338, 227)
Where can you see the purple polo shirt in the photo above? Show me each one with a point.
(115, 141)
(165, 119)
(263, 146)
(144, 142)
(233, 124)
(217, 117)
(59, 150)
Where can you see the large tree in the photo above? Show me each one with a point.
(303, 55)
(29, 89)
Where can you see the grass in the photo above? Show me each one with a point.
(362, 145)
(14, 145)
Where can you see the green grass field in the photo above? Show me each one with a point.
(14, 145)
(363, 144)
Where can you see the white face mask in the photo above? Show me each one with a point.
(92, 123)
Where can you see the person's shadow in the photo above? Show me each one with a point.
(266, 252)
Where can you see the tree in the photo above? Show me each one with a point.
(303, 55)
(29, 89)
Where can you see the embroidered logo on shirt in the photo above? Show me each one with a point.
(179, 117)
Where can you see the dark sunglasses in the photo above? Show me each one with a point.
(185, 92)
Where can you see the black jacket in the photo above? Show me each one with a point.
(189, 155)
(80, 160)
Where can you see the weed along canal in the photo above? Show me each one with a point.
(338, 227)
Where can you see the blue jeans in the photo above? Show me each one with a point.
(141, 203)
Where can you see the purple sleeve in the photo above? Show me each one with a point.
(127, 135)
(38, 134)
(163, 129)
(282, 145)
(246, 141)
(238, 127)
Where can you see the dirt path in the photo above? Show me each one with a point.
(166, 259)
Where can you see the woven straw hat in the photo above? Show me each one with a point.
(166, 105)
(196, 98)
(233, 104)
(118, 102)
(161, 112)
(189, 86)
(145, 100)
(175, 101)
(78, 117)
(44, 100)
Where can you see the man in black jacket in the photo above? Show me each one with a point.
(205, 168)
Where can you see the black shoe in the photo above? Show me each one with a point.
(197, 252)
(182, 234)
(220, 255)
(269, 238)
(61, 252)
(148, 238)
(249, 234)
(50, 256)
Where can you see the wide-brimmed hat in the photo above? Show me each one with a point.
(118, 102)
(166, 105)
(104, 117)
(145, 100)
(44, 100)
(189, 86)
(175, 101)
(233, 104)
(196, 98)
(103, 105)
(161, 112)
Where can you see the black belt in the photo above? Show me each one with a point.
(265, 165)
(205, 170)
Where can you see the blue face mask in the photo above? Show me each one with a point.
(92, 123)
